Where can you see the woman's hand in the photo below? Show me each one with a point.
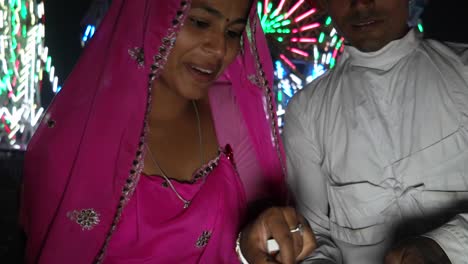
(290, 230)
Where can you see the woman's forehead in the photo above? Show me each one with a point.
(229, 9)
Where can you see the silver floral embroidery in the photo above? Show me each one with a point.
(86, 218)
(203, 239)
(254, 80)
(138, 55)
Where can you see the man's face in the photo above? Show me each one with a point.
(370, 24)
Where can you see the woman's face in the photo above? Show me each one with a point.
(206, 44)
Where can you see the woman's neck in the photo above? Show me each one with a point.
(167, 104)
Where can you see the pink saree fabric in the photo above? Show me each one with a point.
(87, 154)
(155, 228)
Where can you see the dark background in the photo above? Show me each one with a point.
(444, 20)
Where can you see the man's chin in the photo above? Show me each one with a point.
(370, 45)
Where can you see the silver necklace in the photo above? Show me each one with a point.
(164, 175)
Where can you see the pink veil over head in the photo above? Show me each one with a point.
(85, 159)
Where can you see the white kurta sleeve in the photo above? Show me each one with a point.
(453, 238)
(461, 50)
(307, 181)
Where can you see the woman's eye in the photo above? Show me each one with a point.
(199, 23)
(234, 34)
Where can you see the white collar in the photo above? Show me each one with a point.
(387, 56)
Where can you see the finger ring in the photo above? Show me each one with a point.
(299, 228)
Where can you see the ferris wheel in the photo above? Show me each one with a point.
(303, 44)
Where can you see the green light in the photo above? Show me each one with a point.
(24, 31)
(48, 64)
(3, 88)
(14, 43)
(3, 84)
(321, 37)
(277, 25)
(338, 45)
(280, 39)
(259, 9)
(24, 11)
(270, 6)
(280, 96)
(420, 27)
(13, 55)
(328, 21)
(264, 21)
(332, 63)
(277, 19)
(273, 15)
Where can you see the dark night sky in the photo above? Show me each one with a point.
(63, 32)
(444, 19)
(447, 20)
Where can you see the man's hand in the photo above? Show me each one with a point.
(420, 250)
(277, 223)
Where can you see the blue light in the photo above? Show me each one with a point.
(93, 29)
(286, 88)
(89, 33)
(88, 30)
(317, 71)
(280, 72)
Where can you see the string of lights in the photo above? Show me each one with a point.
(24, 65)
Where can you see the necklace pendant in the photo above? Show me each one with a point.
(186, 204)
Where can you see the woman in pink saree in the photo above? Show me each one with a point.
(154, 149)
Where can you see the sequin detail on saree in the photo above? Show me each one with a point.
(203, 239)
(86, 218)
(137, 55)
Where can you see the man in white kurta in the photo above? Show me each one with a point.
(380, 143)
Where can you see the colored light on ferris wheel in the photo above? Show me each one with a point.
(305, 15)
(420, 27)
(304, 40)
(287, 61)
(294, 8)
(267, 7)
(321, 37)
(299, 52)
(89, 33)
(280, 7)
(311, 26)
(25, 61)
